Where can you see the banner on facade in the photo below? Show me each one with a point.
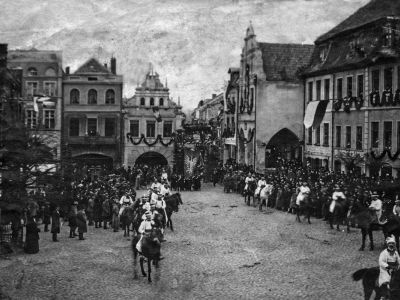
(193, 161)
(315, 112)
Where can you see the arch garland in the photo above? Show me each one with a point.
(384, 152)
(251, 136)
(143, 139)
(387, 98)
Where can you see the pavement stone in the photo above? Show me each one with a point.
(220, 249)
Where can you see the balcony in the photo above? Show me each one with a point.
(92, 140)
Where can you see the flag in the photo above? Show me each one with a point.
(35, 105)
(157, 115)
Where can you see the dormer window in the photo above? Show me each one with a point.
(32, 72)
(388, 35)
(151, 101)
(142, 101)
(323, 53)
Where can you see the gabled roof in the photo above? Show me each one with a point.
(281, 62)
(92, 66)
(374, 10)
(34, 55)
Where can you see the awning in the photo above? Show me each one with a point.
(315, 113)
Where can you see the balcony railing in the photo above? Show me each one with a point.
(92, 140)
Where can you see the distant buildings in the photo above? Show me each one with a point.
(151, 119)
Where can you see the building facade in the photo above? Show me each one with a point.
(92, 114)
(229, 126)
(151, 119)
(270, 108)
(41, 93)
(355, 69)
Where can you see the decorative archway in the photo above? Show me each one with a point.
(284, 144)
(152, 158)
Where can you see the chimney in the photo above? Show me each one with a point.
(113, 64)
(67, 70)
(214, 95)
(3, 55)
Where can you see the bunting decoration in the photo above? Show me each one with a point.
(374, 98)
(384, 152)
(359, 101)
(347, 104)
(337, 104)
(143, 139)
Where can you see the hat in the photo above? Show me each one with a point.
(390, 239)
(147, 213)
(374, 194)
(75, 202)
(337, 187)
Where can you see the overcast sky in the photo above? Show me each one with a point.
(191, 43)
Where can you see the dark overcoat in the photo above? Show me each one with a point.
(55, 222)
(81, 222)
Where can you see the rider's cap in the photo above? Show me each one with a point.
(390, 239)
(375, 194)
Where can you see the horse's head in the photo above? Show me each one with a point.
(178, 195)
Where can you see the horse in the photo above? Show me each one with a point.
(369, 277)
(249, 192)
(305, 209)
(126, 218)
(151, 246)
(339, 214)
(172, 205)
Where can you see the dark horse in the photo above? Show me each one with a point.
(369, 277)
(126, 218)
(172, 205)
(339, 214)
(151, 246)
(305, 209)
(249, 192)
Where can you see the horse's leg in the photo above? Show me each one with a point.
(141, 266)
(364, 236)
(371, 239)
(172, 227)
(149, 269)
(337, 220)
(298, 214)
(308, 215)
(331, 219)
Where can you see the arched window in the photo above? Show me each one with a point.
(92, 97)
(151, 101)
(74, 96)
(32, 72)
(142, 101)
(50, 72)
(110, 97)
(161, 102)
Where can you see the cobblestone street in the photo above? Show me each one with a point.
(221, 249)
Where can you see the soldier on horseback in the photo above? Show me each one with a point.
(376, 207)
(388, 261)
(304, 191)
(337, 196)
(145, 228)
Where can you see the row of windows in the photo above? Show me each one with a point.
(134, 128)
(49, 88)
(151, 102)
(387, 137)
(75, 96)
(354, 85)
(92, 127)
(48, 119)
(33, 72)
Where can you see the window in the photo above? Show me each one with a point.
(318, 135)
(375, 80)
(74, 127)
(338, 136)
(388, 78)
(387, 134)
(50, 72)
(326, 134)
(167, 130)
(398, 135)
(49, 119)
(310, 136)
(49, 88)
(318, 86)
(360, 85)
(134, 128)
(327, 88)
(374, 134)
(142, 101)
(109, 127)
(398, 77)
(92, 78)
(92, 126)
(359, 138)
(310, 91)
(349, 86)
(31, 88)
(151, 101)
(92, 97)
(339, 88)
(110, 97)
(151, 129)
(348, 136)
(32, 72)
(74, 96)
(31, 119)
(161, 101)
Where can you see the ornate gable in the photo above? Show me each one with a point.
(92, 66)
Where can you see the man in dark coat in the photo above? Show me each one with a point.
(81, 222)
(46, 216)
(32, 237)
(90, 210)
(55, 223)
(72, 222)
(105, 212)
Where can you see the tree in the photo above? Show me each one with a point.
(351, 159)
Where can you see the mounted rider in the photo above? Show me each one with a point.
(304, 191)
(337, 196)
(124, 202)
(165, 191)
(260, 185)
(389, 260)
(376, 208)
(156, 186)
(396, 208)
(249, 178)
(144, 229)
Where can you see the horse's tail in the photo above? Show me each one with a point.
(358, 275)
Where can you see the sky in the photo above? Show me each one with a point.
(190, 43)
